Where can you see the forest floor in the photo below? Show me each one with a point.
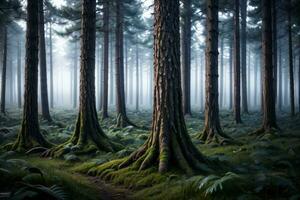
(264, 167)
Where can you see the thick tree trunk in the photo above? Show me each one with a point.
(43, 64)
(105, 59)
(122, 119)
(19, 73)
(237, 73)
(87, 130)
(186, 56)
(169, 145)
(30, 135)
(212, 128)
(4, 64)
(244, 54)
(51, 67)
(269, 114)
(291, 67)
(137, 78)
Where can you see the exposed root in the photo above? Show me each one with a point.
(214, 135)
(266, 130)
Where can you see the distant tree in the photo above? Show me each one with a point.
(4, 64)
(30, 134)
(168, 145)
(243, 7)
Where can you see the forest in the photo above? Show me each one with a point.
(149, 99)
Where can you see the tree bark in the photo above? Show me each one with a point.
(244, 55)
(105, 59)
(75, 76)
(237, 76)
(30, 135)
(87, 129)
(43, 64)
(4, 64)
(269, 114)
(111, 75)
(279, 94)
(212, 128)
(186, 56)
(169, 145)
(122, 119)
(291, 67)
(274, 37)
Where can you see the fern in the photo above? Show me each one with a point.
(28, 190)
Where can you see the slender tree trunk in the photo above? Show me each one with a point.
(269, 114)
(51, 67)
(30, 135)
(43, 64)
(169, 145)
(279, 94)
(230, 75)
(256, 70)
(105, 59)
(202, 83)
(4, 64)
(244, 54)
(126, 70)
(237, 75)
(111, 73)
(291, 67)
(248, 79)
(186, 57)
(137, 78)
(75, 75)
(196, 78)
(221, 72)
(212, 128)
(274, 36)
(19, 73)
(122, 119)
(299, 83)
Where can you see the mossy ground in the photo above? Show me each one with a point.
(266, 167)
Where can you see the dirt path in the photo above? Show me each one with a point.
(107, 191)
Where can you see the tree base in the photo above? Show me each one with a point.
(123, 121)
(214, 136)
(24, 144)
(266, 130)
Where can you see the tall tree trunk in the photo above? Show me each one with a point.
(230, 75)
(279, 94)
(256, 70)
(237, 73)
(269, 114)
(30, 135)
(19, 73)
(87, 130)
(291, 67)
(299, 82)
(137, 78)
(43, 64)
(221, 72)
(75, 75)
(249, 78)
(126, 70)
(186, 56)
(105, 59)
(244, 54)
(202, 82)
(111, 75)
(274, 37)
(196, 78)
(4, 64)
(169, 145)
(212, 128)
(51, 67)
(122, 119)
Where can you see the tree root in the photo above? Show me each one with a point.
(214, 136)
